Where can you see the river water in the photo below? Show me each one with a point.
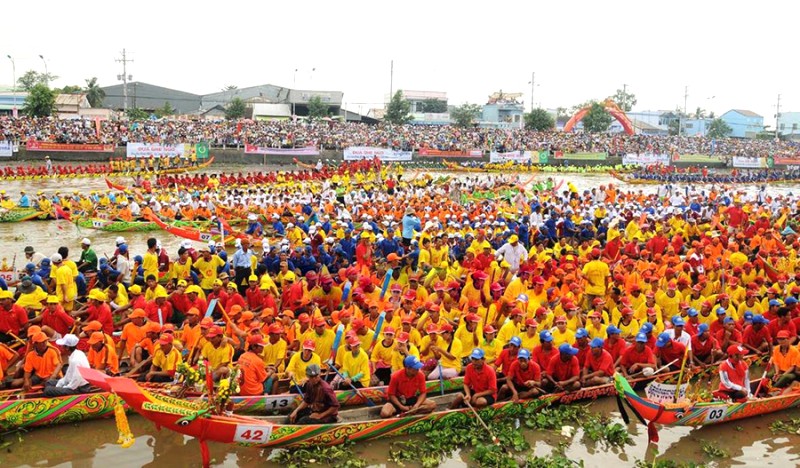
(92, 443)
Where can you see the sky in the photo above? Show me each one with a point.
(730, 55)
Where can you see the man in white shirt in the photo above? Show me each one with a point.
(512, 252)
(72, 383)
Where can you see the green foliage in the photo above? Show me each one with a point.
(539, 120)
(713, 451)
(624, 100)
(31, 78)
(316, 108)
(658, 463)
(555, 460)
(134, 113)
(235, 109)
(341, 456)
(789, 426)
(718, 129)
(69, 89)
(434, 106)
(398, 111)
(597, 119)
(94, 93)
(165, 110)
(674, 127)
(602, 429)
(41, 101)
(465, 114)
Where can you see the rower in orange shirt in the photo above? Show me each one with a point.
(101, 356)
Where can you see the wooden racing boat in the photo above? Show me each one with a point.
(701, 413)
(171, 170)
(213, 233)
(303, 165)
(132, 226)
(17, 215)
(195, 419)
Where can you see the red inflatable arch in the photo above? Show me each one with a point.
(612, 108)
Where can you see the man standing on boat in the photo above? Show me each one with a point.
(407, 392)
(480, 383)
(319, 405)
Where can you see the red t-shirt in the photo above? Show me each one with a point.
(633, 356)
(671, 353)
(181, 303)
(13, 320)
(702, 349)
(582, 352)
(166, 311)
(615, 349)
(103, 315)
(504, 361)
(560, 370)
(775, 326)
(604, 362)
(481, 381)
(754, 338)
(401, 385)
(59, 320)
(520, 376)
(735, 373)
(542, 357)
(736, 336)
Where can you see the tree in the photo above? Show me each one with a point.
(69, 89)
(134, 113)
(465, 114)
(434, 106)
(235, 109)
(230, 87)
(41, 101)
(164, 110)
(94, 93)
(718, 129)
(398, 111)
(597, 119)
(624, 99)
(700, 113)
(31, 78)
(316, 108)
(539, 120)
(562, 113)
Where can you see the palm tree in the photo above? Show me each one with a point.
(94, 93)
(700, 113)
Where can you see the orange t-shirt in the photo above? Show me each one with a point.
(44, 365)
(254, 373)
(132, 335)
(104, 359)
(6, 354)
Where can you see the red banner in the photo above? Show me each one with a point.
(787, 160)
(450, 154)
(34, 145)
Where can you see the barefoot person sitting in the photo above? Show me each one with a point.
(407, 391)
(563, 372)
(480, 383)
(524, 379)
(319, 405)
(599, 365)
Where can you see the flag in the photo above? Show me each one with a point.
(61, 214)
(201, 150)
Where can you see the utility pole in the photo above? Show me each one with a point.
(777, 118)
(685, 100)
(125, 78)
(46, 73)
(533, 76)
(391, 80)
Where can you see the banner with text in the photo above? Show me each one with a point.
(34, 145)
(646, 159)
(146, 150)
(306, 151)
(433, 153)
(357, 153)
(664, 393)
(581, 156)
(6, 149)
(747, 162)
(515, 156)
(784, 160)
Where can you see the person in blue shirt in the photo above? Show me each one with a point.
(410, 223)
(389, 244)
(277, 225)
(30, 270)
(306, 262)
(24, 201)
(326, 226)
(254, 227)
(348, 245)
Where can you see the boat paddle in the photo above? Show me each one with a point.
(367, 400)
(386, 280)
(680, 375)
(336, 342)
(378, 328)
(766, 369)
(297, 386)
(494, 439)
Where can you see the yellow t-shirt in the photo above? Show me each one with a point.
(456, 351)
(65, 278)
(150, 264)
(467, 338)
(397, 358)
(358, 365)
(217, 356)
(168, 362)
(596, 273)
(274, 354)
(298, 366)
(208, 270)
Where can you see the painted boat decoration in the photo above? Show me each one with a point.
(109, 225)
(172, 170)
(17, 215)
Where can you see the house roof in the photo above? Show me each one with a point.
(745, 112)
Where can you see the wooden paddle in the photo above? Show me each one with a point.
(494, 439)
(367, 400)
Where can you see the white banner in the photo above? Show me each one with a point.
(664, 393)
(357, 153)
(145, 150)
(6, 149)
(748, 162)
(516, 156)
(646, 159)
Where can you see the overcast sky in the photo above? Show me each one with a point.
(730, 54)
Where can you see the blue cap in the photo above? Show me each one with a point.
(774, 302)
(412, 362)
(104, 267)
(748, 315)
(790, 300)
(45, 262)
(647, 327)
(103, 260)
(641, 338)
(720, 310)
(523, 354)
(123, 248)
(728, 320)
(522, 298)
(546, 336)
(477, 353)
(663, 339)
(137, 259)
(30, 267)
(515, 341)
(596, 343)
(692, 312)
(581, 333)
(677, 321)
(760, 319)
(612, 330)
(702, 328)
(567, 349)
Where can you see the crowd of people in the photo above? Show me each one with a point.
(334, 135)
(554, 291)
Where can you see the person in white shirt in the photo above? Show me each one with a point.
(512, 252)
(72, 383)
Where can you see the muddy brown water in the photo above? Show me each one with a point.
(92, 444)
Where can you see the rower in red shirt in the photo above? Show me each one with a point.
(53, 316)
(598, 366)
(524, 379)
(563, 372)
(669, 352)
(615, 345)
(637, 357)
(544, 352)
(480, 383)
(12, 317)
(756, 337)
(508, 356)
(407, 392)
